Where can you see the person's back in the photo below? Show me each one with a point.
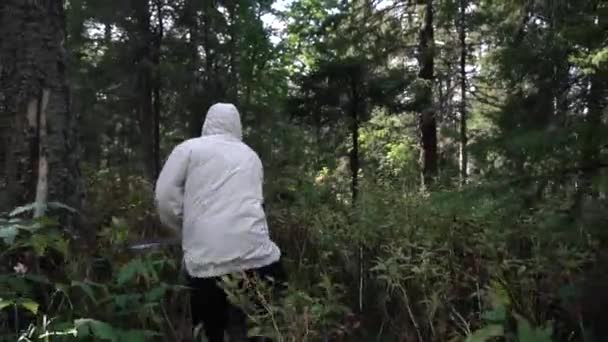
(224, 227)
(211, 189)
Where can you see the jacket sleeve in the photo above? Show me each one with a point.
(169, 192)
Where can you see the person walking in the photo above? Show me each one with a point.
(210, 190)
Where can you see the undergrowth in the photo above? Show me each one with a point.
(398, 266)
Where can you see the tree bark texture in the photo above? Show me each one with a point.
(427, 118)
(144, 59)
(39, 149)
(355, 164)
(464, 157)
(158, 40)
(212, 90)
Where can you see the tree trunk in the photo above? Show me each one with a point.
(41, 153)
(427, 119)
(233, 77)
(194, 94)
(158, 40)
(464, 157)
(211, 87)
(354, 153)
(355, 102)
(144, 89)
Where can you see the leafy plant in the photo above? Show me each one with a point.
(498, 322)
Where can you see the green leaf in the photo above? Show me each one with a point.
(95, 328)
(600, 57)
(37, 278)
(527, 333)
(129, 271)
(15, 283)
(29, 305)
(499, 295)
(58, 205)
(23, 209)
(8, 234)
(486, 333)
(137, 335)
(498, 315)
(45, 221)
(156, 293)
(125, 300)
(40, 243)
(61, 245)
(132, 336)
(4, 303)
(86, 288)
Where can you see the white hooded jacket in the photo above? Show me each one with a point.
(211, 189)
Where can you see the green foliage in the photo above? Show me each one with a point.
(294, 315)
(497, 320)
(392, 159)
(486, 333)
(89, 327)
(54, 296)
(501, 257)
(458, 264)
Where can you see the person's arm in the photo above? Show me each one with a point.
(169, 192)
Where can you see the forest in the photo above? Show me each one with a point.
(435, 170)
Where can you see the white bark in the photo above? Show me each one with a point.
(42, 185)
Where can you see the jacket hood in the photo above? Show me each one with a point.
(223, 119)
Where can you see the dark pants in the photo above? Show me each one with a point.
(211, 307)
